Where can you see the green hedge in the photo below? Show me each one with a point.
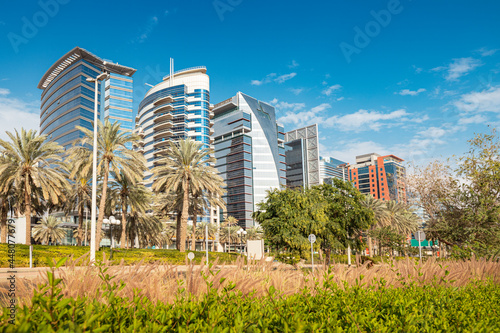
(42, 253)
(474, 308)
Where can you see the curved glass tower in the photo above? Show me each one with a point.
(67, 98)
(175, 109)
(250, 153)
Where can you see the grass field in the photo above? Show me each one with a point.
(43, 253)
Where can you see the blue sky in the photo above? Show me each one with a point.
(412, 78)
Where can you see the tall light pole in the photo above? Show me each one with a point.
(94, 169)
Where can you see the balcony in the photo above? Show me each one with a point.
(163, 117)
(166, 108)
(163, 100)
(212, 122)
(162, 134)
(158, 126)
(161, 144)
(211, 131)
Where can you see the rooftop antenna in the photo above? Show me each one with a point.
(171, 72)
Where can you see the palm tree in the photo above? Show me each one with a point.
(229, 222)
(31, 163)
(129, 194)
(144, 227)
(254, 233)
(201, 232)
(381, 215)
(49, 231)
(229, 234)
(113, 155)
(79, 198)
(7, 202)
(186, 167)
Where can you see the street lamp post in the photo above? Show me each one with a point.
(241, 233)
(93, 227)
(112, 221)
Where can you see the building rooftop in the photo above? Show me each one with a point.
(76, 54)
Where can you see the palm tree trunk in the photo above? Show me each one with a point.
(184, 217)
(80, 225)
(3, 224)
(193, 235)
(27, 210)
(102, 206)
(370, 247)
(178, 231)
(123, 243)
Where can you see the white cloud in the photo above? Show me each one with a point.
(485, 52)
(297, 91)
(459, 67)
(283, 106)
(282, 78)
(359, 121)
(484, 101)
(328, 91)
(351, 149)
(148, 29)
(477, 119)
(418, 70)
(293, 64)
(272, 77)
(405, 92)
(305, 118)
(340, 99)
(15, 113)
(363, 120)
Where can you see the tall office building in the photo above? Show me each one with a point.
(67, 98)
(176, 108)
(250, 153)
(302, 157)
(384, 177)
(330, 168)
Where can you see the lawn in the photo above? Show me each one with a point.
(42, 253)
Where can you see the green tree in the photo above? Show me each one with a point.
(380, 213)
(49, 231)
(79, 197)
(33, 166)
(129, 193)
(333, 213)
(113, 155)
(186, 167)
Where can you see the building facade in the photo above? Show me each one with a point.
(250, 153)
(67, 98)
(175, 109)
(302, 157)
(330, 168)
(383, 177)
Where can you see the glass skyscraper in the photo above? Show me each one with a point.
(175, 109)
(250, 153)
(67, 98)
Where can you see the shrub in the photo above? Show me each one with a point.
(326, 306)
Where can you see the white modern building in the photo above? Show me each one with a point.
(250, 153)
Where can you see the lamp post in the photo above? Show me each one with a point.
(93, 227)
(111, 222)
(241, 232)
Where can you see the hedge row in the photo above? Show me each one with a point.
(43, 253)
(474, 308)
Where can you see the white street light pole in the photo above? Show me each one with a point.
(94, 170)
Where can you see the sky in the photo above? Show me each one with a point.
(414, 78)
